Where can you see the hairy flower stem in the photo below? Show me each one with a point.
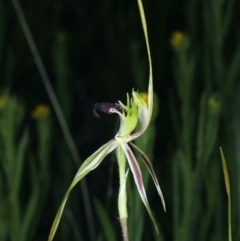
(122, 198)
(124, 229)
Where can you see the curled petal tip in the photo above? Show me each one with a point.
(106, 107)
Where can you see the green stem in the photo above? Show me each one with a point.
(122, 198)
(229, 220)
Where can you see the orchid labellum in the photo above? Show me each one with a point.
(136, 110)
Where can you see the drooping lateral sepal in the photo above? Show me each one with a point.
(137, 175)
(90, 164)
(151, 171)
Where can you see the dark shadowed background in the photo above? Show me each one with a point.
(94, 51)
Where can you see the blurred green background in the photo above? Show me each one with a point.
(94, 51)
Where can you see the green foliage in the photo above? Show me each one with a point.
(197, 198)
(19, 219)
(105, 221)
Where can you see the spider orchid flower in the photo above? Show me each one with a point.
(136, 110)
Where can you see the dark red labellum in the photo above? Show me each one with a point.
(105, 107)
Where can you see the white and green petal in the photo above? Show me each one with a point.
(137, 175)
(143, 114)
(144, 111)
(90, 164)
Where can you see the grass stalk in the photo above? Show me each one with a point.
(227, 184)
(58, 111)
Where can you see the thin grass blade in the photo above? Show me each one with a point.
(227, 183)
(107, 226)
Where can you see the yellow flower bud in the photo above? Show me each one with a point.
(41, 112)
(176, 39)
(2, 102)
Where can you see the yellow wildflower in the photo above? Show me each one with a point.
(41, 112)
(177, 39)
(2, 102)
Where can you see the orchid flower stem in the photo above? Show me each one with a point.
(122, 198)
